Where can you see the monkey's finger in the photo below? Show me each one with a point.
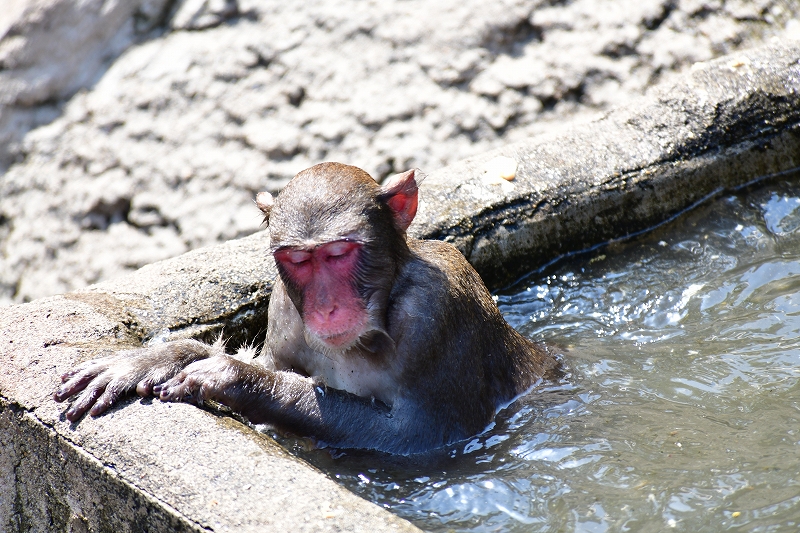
(158, 389)
(92, 367)
(153, 378)
(171, 392)
(110, 395)
(145, 387)
(83, 403)
(169, 383)
(75, 384)
(181, 388)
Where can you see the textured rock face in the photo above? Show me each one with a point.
(213, 100)
(49, 49)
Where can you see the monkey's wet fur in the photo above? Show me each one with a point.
(375, 341)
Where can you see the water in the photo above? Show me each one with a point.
(682, 410)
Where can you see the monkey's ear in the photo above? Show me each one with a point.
(400, 193)
(264, 202)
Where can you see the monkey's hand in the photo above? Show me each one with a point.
(303, 406)
(105, 380)
(220, 378)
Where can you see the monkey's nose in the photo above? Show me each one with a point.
(327, 313)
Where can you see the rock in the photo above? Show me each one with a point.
(165, 147)
(49, 49)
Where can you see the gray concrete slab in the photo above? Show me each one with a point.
(148, 466)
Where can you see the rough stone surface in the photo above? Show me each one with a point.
(49, 49)
(214, 100)
(172, 467)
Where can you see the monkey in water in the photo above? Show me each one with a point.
(374, 341)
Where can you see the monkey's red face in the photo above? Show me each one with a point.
(325, 275)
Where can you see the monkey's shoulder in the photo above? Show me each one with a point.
(448, 269)
(438, 284)
(441, 264)
(457, 298)
(440, 253)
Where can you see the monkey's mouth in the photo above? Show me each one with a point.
(327, 340)
(339, 340)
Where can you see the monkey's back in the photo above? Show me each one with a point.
(459, 352)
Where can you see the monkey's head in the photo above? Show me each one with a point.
(339, 239)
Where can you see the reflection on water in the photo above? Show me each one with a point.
(683, 405)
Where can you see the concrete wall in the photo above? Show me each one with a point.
(148, 466)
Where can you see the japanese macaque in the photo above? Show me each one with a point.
(375, 340)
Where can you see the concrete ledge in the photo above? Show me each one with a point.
(148, 466)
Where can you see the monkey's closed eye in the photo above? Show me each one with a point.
(338, 249)
(295, 257)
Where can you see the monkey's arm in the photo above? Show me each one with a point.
(334, 417)
(105, 380)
